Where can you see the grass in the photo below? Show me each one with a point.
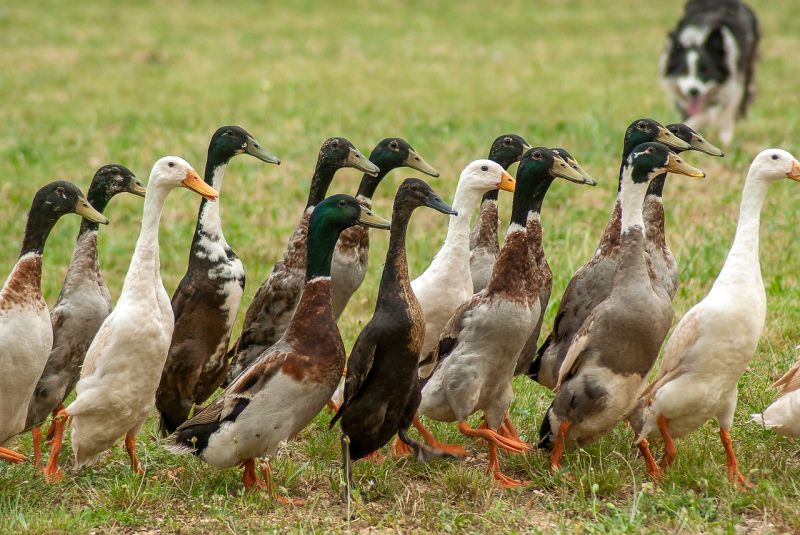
(84, 84)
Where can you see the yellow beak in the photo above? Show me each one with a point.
(196, 184)
(507, 182)
(676, 165)
(794, 174)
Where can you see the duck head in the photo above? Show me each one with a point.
(337, 152)
(108, 181)
(389, 154)
(647, 130)
(228, 141)
(174, 172)
(482, 176)
(508, 149)
(414, 192)
(572, 162)
(651, 159)
(693, 139)
(329, 218)
(775, 164)
(49, 204)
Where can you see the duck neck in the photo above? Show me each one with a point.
(395, 272)
(464, 203)
(98, 197)
(743, 258)
(319, 252)
(320, 182)
(209, 222)
(146, 250)
(37, 229)
(631, 202)
(368, 185)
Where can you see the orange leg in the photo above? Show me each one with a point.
(52, 472)
(733, 466)
(266, 472)
(400, 448)
(491, 436)
(11, 456)
(333, 408)
(430, 440)
(130, 447)
(670, 451)
(36, 435)
(494, 469)
(508, 430)
(558, 447)
(249, 477)
(650, 462)
(52, 429)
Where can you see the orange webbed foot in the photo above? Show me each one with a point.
(12, 456)
(400, 448)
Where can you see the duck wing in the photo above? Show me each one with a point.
(790, 380)
(358, 367)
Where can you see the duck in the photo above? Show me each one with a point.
(591, 284)
(616, 347)
(447, 282)
(207, 298)
(484, 245)
(26, 334)
(665, 267)
(252, 417)
(477, 352)
(783, 416)
(269, 313)
(117, 387)
(381, 391)
(351, 255)
(716, 339)
(81, 307)
(546, 276)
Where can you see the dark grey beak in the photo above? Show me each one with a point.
(436, 202)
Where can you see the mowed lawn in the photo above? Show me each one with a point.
(83, 84)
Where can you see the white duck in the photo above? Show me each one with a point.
(25, 331)
(447, 282)
(714, 342)
(783, 416)
(116, 391)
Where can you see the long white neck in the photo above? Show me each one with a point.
(210, 220)
(464, 203)
(145, 261)
(632, 197)
(742, 264)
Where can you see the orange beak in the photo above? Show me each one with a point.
(196, 184)
(507, 182)
(794, 174)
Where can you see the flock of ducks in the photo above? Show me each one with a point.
(443, 346)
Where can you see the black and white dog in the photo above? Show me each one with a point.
(707, 66)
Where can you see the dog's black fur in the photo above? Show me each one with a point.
(708, 65)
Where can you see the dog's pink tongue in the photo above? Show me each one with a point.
(694, 106)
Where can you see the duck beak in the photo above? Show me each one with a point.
(700, 144)
(794, 174)
(87, 211)
(196, 184)
(563, 170)
(525, 148)
(254, 149)
(676, 165)
(357, 160)
(436, 202)
(507, 182)
(368, 219)
(587, 178)
(137, 188)
(415, 161)
(670, 140)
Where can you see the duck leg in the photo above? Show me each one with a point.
(508, 430)
(670, 451)
(491, 436)
(11, 456)
(733, 465)
(333, 408)
(249, 477)
(494, 469)
(130, 447)
(266, 473)
(347, 468)
(52, 472)
(51, 431)
(650, 462)
(399, 448)
(36, 436)
(558, 447)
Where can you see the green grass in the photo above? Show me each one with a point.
(83, 84)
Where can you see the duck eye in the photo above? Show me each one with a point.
(484, 168)
(537, 155)
(60, 191)
(640, 126)
(342, 203)
(393, 145)
(775, 156)
(507, 141)
(171, 164)
(335, 143)
(649, 151)
(414, 187)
